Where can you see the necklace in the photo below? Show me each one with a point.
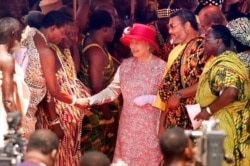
(67, 65)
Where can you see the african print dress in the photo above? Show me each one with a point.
(227, 70)
(183, 73)
(70, 116)
(137, 142)
(94, 123)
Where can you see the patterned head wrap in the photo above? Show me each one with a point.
(240, 30)
(165, 13)
(211, 2)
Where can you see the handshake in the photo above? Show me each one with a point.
(81, 103)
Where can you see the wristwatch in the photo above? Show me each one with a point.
(178, 94)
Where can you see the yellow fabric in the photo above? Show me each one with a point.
(234, 114)
(172, 56)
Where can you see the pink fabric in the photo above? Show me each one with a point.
(137, 141)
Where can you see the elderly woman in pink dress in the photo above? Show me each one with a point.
(137, 141)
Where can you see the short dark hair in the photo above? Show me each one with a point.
(222, 32)
(94, 158)
(173, 142)
(57, 18)
(186, 15)
(100, 19)
(43, 140)
(8, 25)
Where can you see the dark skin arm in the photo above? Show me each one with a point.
(228, 96)
(47, 59)
(82, 13)
(174, 100)
(97, 61)
(7, 64)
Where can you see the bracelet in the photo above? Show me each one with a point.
(73, 100)
(209, 111)
(54, 121)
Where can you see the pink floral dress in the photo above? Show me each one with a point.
(137, 142)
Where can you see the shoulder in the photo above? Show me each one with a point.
(6, 59)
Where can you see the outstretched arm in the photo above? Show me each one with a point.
(108, 94)
(47, 58)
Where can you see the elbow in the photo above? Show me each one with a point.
(232, 93)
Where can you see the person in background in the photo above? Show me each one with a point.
(137, 141)
(94, 158)
(42, 149)
(223, 92)
(14, 92)
(204, 3)
(240, 30)
(176, 148)
(211, 15)
(97, 71)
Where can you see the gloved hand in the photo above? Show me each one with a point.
(144, 99)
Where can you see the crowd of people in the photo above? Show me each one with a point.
(93, 85)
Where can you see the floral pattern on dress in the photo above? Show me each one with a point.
(137, 142)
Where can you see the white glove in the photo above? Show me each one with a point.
(144, 99)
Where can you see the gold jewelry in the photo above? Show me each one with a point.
(68, 66)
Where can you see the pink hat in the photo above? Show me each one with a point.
(139, 32)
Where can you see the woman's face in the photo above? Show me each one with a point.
(210, 43)
(139, 48)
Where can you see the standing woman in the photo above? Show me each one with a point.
(223, 92)
(137, 142)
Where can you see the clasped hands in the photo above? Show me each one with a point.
(82, 103)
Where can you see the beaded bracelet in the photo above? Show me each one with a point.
(54, 121)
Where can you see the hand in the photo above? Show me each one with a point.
(58, 130)
(144, 99)
(203, 115)
(82, 103)
(173, 102)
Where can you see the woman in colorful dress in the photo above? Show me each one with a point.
(223, 92)
(67, 123)
(96, 72)
(137, 141)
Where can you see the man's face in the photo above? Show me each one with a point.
(71, 34)
(15, 38)
(203, 24)
(57, 34)
(110, 33)
(176, 30)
